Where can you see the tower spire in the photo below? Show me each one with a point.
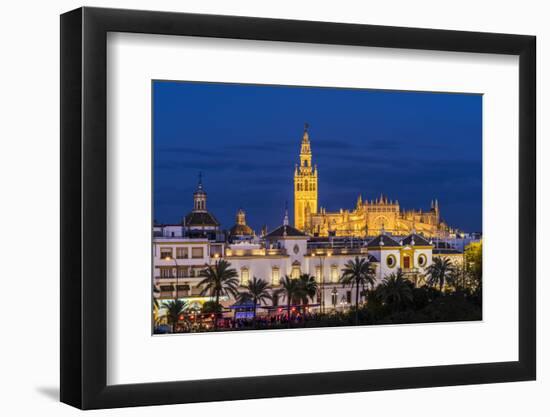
(199, 196)
(305, 184)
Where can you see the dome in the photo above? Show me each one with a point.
(241, 228)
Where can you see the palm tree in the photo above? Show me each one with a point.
(156, 312)
(307, 289)
(173, 309)
(257, 291)
(439, 272)
(289, 290)
(358, 273)
(219, 280)
(395, 290)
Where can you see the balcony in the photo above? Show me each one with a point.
(255, 252)
(173, 278)
(327, 251)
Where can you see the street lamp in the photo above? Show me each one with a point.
(322, 279)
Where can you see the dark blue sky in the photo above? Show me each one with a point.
(245, 139)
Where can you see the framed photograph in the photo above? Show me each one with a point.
(257, 208)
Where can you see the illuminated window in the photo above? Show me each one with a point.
(391, 261)
(166, 253)
(422, 260)
(295, 271)
(244, 276)
(275, 276)
(197, 252)
(182, 253)
(334, 273)
(318, 273)
(216, 251)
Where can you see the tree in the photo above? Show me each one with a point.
(307, 289)
(358, 273)
(289, 290)
(474, 264)
(219, 280)
(257, 291)
(173, 310)
(395, 290)
(156, 312)
(439, 272)
(210, 307)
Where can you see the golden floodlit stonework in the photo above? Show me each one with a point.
(368, 218)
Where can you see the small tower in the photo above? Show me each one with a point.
(241, 218)
(305, 183)
(199, 197)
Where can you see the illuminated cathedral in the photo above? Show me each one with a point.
(367, 218)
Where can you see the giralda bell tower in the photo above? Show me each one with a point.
(305, 185)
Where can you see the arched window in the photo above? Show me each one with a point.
(295, 272)
(334, 273)
(275, 276)
(245, 276)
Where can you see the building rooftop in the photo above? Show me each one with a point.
(382, 240)
(201, 219)
(285, 231)
(414, 239)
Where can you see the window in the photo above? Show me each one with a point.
(244, 276)
(166, 253)
(391, 261)
(275, 276)
(334, 273)
(197, 253)
(216, 251)
(318, 273)
(348, 297)
(295, 273)
(182, 272)
(182, 253)
(422, 260)
(166, 272)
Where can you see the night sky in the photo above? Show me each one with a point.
(245, 139)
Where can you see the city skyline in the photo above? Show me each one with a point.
(245, 140)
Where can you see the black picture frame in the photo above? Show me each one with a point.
(84, 207)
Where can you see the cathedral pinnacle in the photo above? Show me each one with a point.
(285, 219)
(305, 138)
